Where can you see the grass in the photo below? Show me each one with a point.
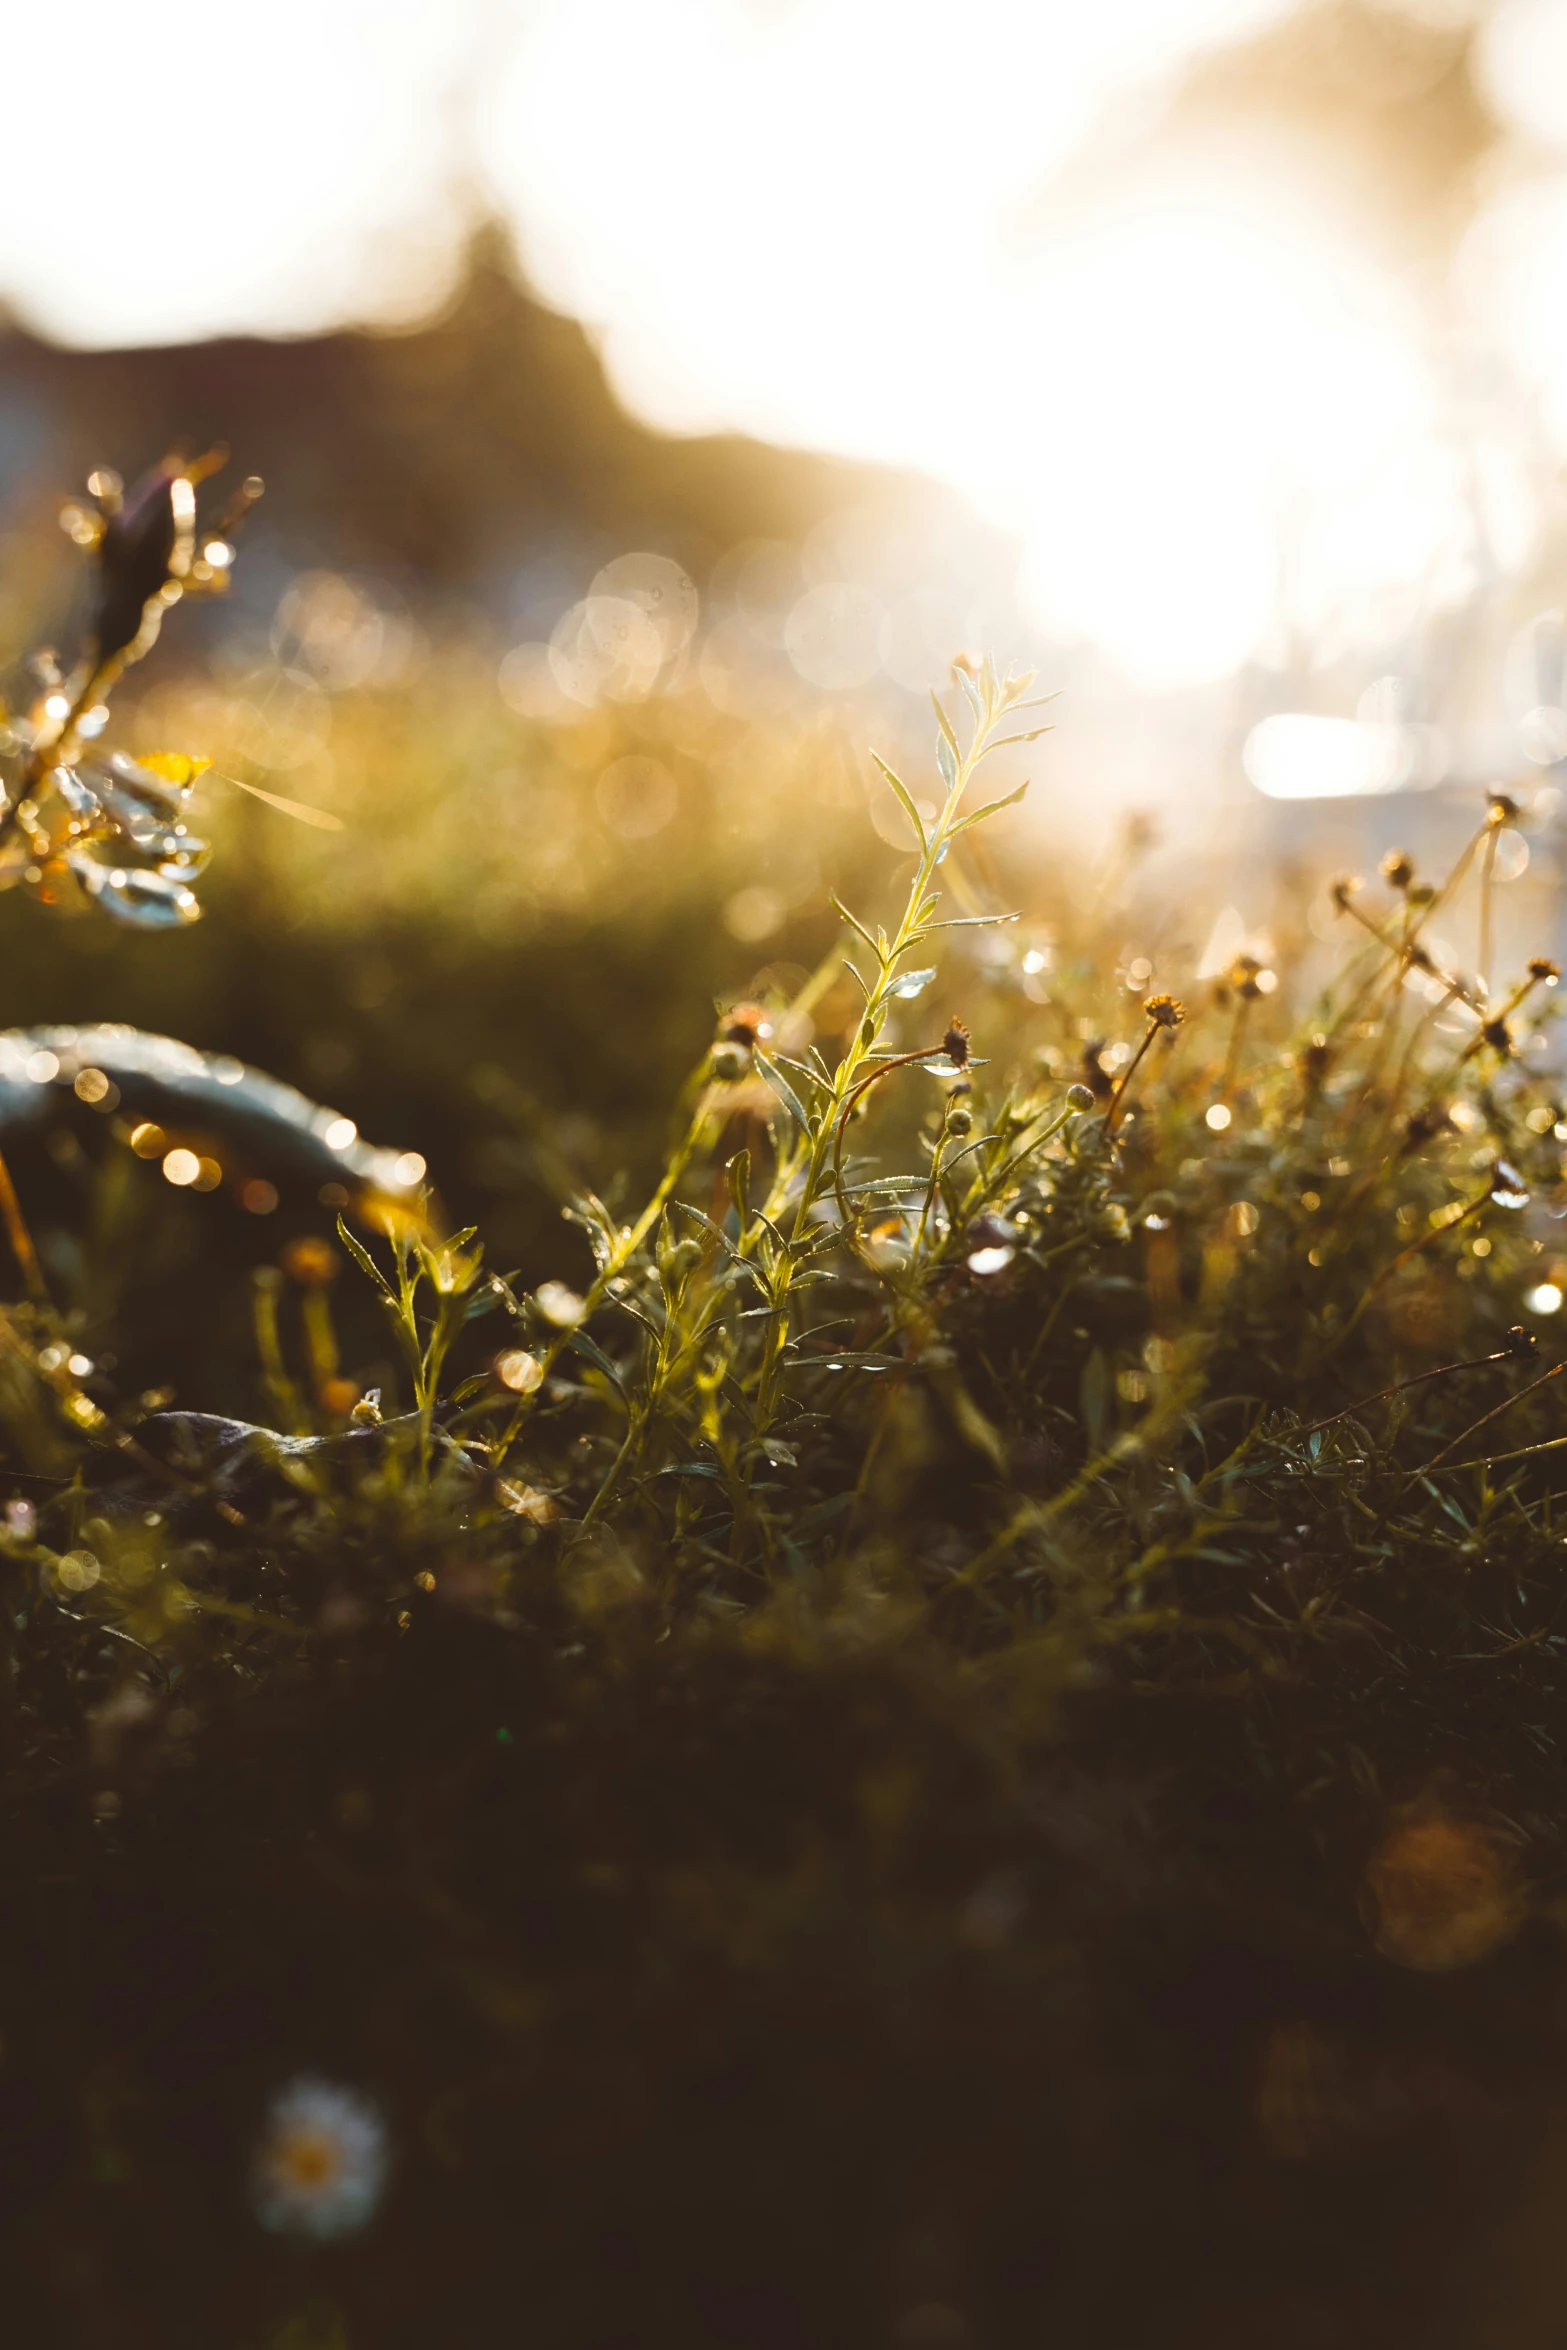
(964, 1686)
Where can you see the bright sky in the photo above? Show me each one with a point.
(1206, 413)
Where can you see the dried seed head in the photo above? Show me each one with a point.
(1498, 1036)
(1520, 1341)
(1543, 971)
(1315, 1060)
(1423, 1125)
(1344, 889)
(1398, 869)
(1501, 808)
(955, 1044)
(1164, 1011)
(745, 1024)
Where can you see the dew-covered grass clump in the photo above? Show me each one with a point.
(936, 1723)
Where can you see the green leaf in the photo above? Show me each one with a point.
(580, 1343)
(905, 801)
(781, 1086)
(946, 757)
(991, 808)
(365, 1261)
(945, 724)
(974, 921)
(855, 923)
(739, 1174)
(1094, 1398)
(737, 1261)
(852, 1360)
(823, 1513)
(802, 1069)
(624, 1305)
(1032, 736)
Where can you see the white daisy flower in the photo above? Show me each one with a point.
(322, 2161)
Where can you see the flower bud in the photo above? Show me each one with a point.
(134, 558)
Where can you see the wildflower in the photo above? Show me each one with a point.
(321, 2164)
(1161, 1012)
(1398, 869)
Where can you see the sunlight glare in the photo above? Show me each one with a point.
(1205, 419)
